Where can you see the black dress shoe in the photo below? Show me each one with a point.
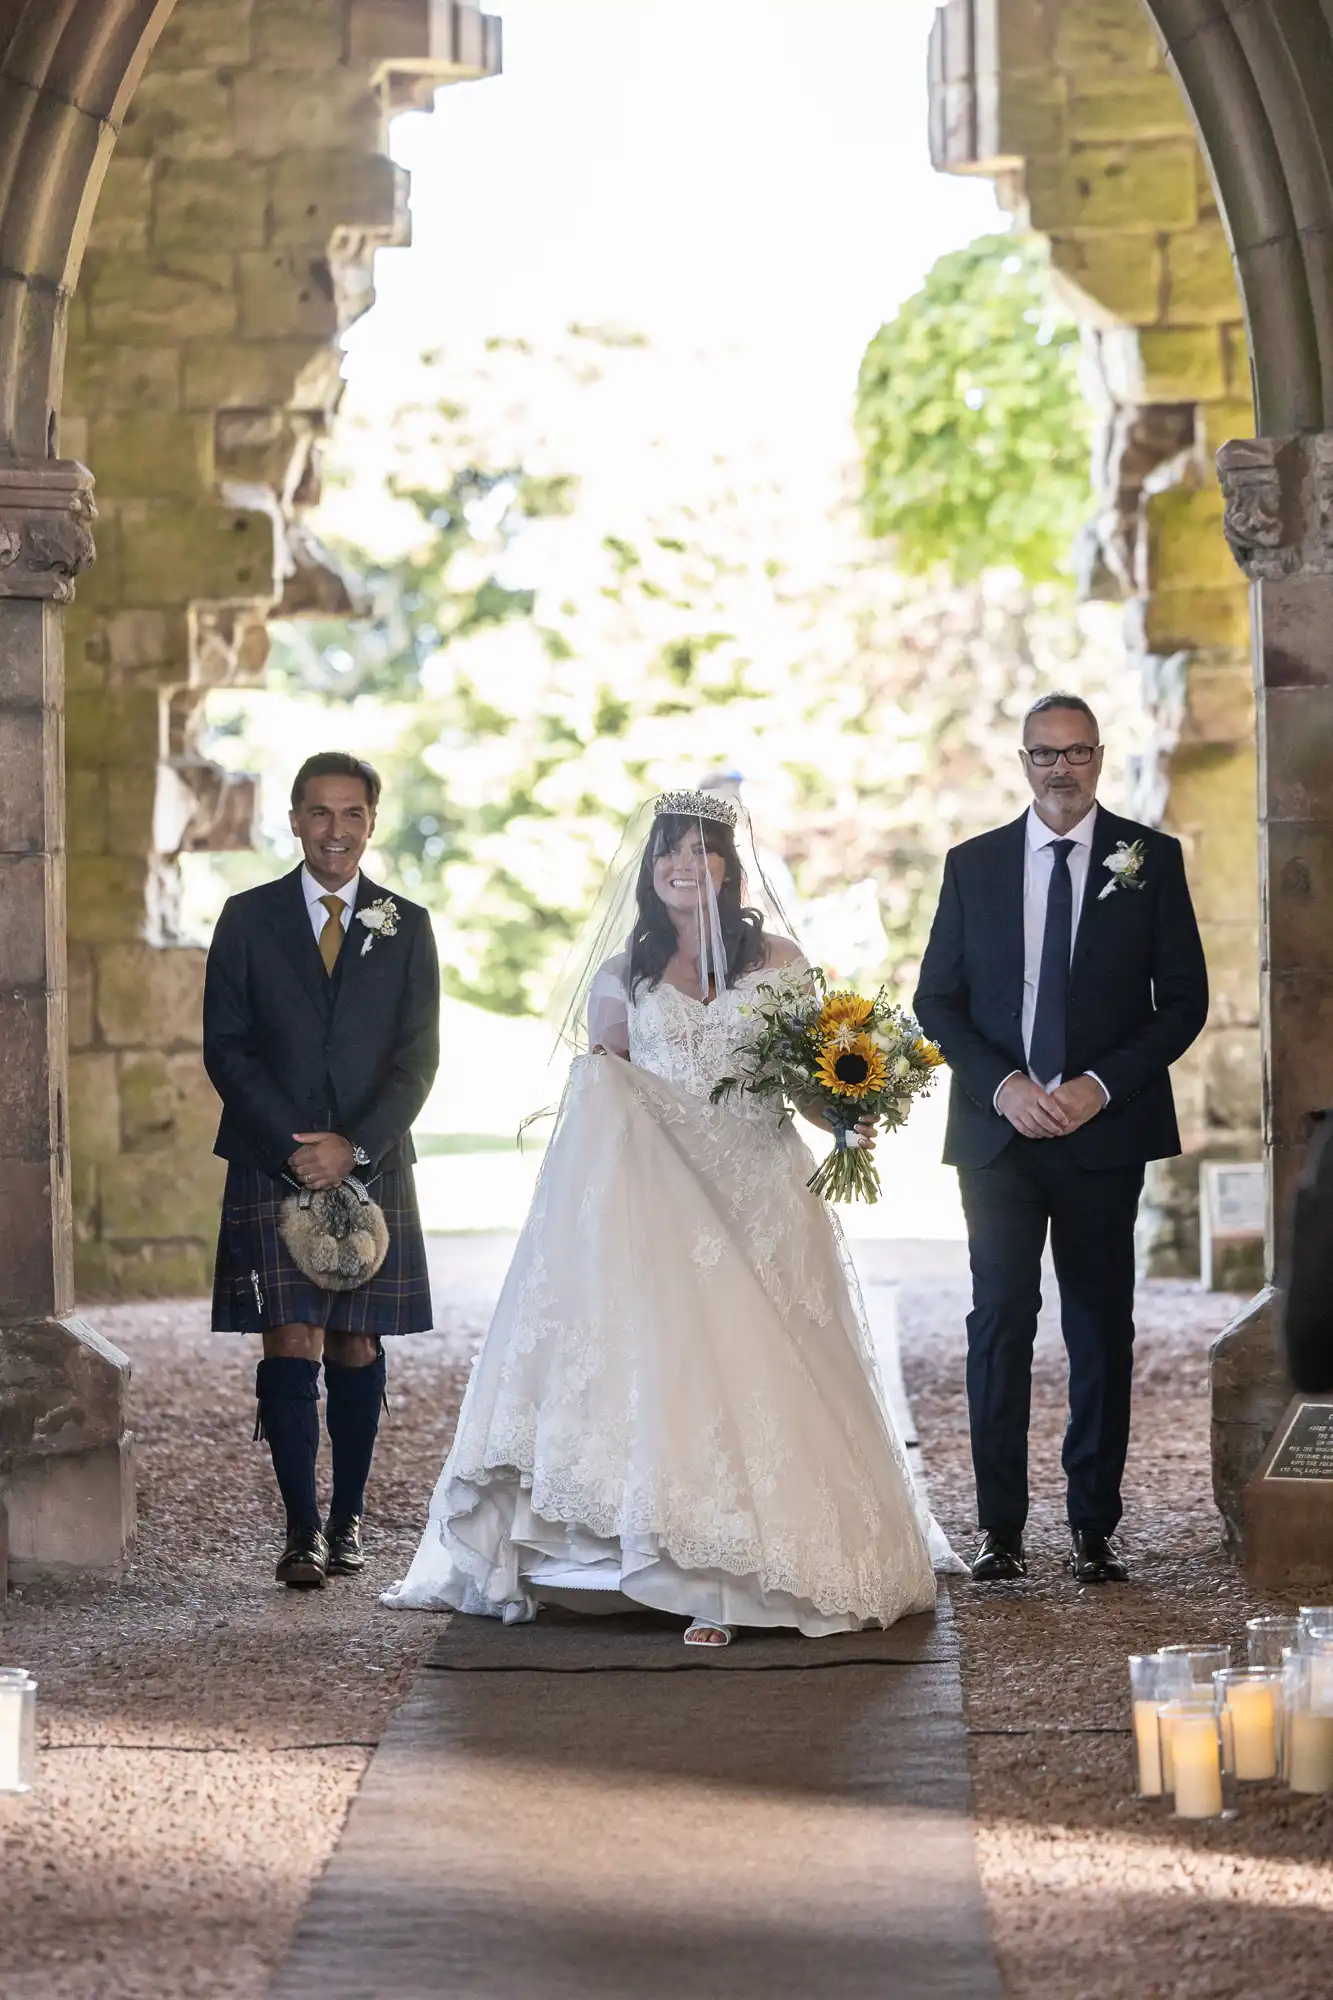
(999, 1559)
(1094, 1559)
(346, 1555)
(304, 1563)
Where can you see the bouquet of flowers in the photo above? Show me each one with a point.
(836, 1055)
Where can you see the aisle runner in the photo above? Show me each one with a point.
(556, 1815)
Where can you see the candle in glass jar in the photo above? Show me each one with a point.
(1310, 1752)
(16, 1729)
(1168, 1714)
(1196, 1766)
(1151, 1682)
(10, 1722)
(1253, 1713)
(1148, 1747)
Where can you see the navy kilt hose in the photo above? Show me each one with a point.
(257, 1287)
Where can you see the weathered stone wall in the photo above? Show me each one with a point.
(231, 247)
(1069, 105)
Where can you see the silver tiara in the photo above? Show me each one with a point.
(696, 805)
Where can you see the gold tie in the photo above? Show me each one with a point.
(331, 937)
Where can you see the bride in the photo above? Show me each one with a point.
(677, 1402)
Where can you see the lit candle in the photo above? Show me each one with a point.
(1254, 1721)
(1150, 1683)
(1310, 1752)
(1168, 1715)
(1196, 1766)
(1148, 1745)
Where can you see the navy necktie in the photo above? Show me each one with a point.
(1046, 1055)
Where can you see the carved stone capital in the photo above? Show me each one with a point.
(1279, 505)
(46, 539)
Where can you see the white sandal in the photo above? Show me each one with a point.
(699, 1626)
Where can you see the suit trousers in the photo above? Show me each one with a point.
(1032, 1187)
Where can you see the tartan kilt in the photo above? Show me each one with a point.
(257, 1287)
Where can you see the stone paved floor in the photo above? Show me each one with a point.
(207, 1733)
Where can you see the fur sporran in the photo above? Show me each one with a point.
(337, 1238)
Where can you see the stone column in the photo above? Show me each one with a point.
(1279, 524)
(1071, 107)
(65, 1474)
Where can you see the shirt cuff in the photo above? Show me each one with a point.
(1100, 1085)
(995, 1101)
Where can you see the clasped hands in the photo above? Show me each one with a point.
(321, 1160)
(1049, 1114)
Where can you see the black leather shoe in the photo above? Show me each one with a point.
(999, 1559)
(346, 1555)
(304, 1563)
(1094, 1559)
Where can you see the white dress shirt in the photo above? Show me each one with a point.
(1038, 861)
(319, 914)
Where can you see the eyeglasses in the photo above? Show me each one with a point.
(1043, 756)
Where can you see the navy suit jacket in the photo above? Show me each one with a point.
(1138, 993)
(289, 1049)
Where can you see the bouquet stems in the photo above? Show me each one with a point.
(848, 1174)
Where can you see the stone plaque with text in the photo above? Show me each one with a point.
(1289, 1502)
(1305, 1448)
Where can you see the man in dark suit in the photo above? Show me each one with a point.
(1063, 976)
(321, 1037)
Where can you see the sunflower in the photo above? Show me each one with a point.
(856, 1070)
(844, 1010)
(928, 1052)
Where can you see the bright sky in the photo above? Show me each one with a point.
(748, 173)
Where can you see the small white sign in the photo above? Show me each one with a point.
(1234, 1200)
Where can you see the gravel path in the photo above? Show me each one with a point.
(206, 1731)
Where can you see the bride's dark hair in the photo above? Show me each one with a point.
(654, 943)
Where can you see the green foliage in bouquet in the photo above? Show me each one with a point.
(839, 1058)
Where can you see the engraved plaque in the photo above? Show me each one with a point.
(1289, 1503)
(1305, 1450)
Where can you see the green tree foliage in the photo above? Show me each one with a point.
(544, 651)
(973, 430)
(447, 588)
(422, 600)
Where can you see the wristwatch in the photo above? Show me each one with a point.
(361, 1156)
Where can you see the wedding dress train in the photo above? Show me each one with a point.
(677, 1402)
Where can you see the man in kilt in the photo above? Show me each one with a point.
(322, 1038)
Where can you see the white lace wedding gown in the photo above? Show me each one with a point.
(677, 1402)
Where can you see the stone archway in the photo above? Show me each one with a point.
(67, 74)
(229, 244)
(1261, 90)
(1068, 95)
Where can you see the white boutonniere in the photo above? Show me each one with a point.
(1126, 866)
(380, 920)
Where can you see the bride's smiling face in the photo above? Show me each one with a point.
(678, 874)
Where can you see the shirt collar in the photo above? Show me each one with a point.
(313, 893)
(1040, 835)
